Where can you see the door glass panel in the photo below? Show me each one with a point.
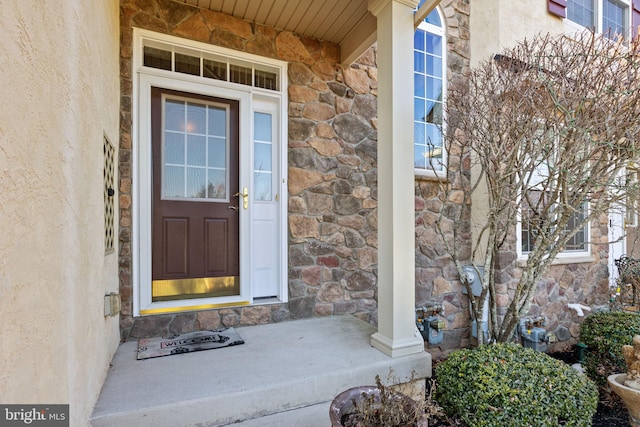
(196, 118)
(217, 152)
(196, 179)
(174, 115)
(217, 122)
(216, 184)
(174, 148)
(195, 150)
(263, 127)
(173, 183)
(263, 155)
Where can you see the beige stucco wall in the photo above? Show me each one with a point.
(60, 95)
(496, 24)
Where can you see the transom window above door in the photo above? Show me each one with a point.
(204, 64)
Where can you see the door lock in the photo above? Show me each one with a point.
(245, 197)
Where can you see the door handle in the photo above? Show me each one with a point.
(245, 197)
(235, 208)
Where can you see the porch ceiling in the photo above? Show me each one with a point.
(347, 23)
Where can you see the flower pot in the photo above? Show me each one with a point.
(630, 396)
(346, 403)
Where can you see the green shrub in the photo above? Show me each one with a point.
(604, 334)
(508, 385)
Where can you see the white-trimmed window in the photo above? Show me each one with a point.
(611, 17)
(429, 50)
(165, 56)
(537, 213)
(531, 224)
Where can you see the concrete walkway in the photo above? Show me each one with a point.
(285, 374)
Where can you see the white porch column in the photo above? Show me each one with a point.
(396, 334)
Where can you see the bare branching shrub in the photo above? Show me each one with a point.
(550, 127)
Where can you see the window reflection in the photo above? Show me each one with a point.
(428, 93)
(194, 150)
(263, 156)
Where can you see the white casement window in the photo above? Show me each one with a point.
(429, 50)
(610, 17)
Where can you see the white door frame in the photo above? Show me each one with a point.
(247, 96)
(617, 241)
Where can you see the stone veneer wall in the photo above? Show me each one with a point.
(332, 170)
(436, 277)
(333, 188)
(437, 280)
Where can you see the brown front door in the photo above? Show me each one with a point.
(195, 247)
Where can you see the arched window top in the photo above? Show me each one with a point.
(433, 18)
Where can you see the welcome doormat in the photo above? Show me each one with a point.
(187, 343)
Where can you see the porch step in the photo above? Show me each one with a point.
(285, 373)
(309, 416)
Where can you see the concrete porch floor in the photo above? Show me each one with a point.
(286, 374)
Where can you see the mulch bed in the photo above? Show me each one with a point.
(615, 415)
(611, 411)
